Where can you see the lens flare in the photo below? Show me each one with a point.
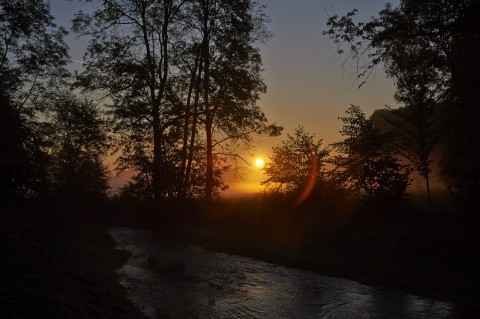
(312, 180)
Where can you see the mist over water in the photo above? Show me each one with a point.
(170, 280)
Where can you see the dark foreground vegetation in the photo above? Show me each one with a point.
(59, 263)
(379, 245)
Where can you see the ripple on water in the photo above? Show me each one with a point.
(205, 284)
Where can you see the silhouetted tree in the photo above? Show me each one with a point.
(32, 60)
(296, 161)
(179, 73)
(23, 156)
(418, 126)
(366, 161)
(231, 82)
(80, 144)
(432, 36)
(129, 58)
(32, 51)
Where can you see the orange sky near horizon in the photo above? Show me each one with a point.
(307, 84)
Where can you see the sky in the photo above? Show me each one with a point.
(307, 84)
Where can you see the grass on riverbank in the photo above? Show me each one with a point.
(377, 245)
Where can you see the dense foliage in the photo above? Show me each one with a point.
(33, 56)
(297, 161)
(431, 47)
(366, 161)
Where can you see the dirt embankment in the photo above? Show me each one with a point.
(59, 264)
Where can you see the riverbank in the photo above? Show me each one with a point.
(428, 254)
(59, 263)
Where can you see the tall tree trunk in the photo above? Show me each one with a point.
(209, 175)
(194, 127)
(183, 183)
(427, 180)
(157, 97)
(209, 178)
(157, 152)
(157, 144)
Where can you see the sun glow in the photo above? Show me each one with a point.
(260, 163)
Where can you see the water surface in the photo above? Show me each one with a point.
(171, 280)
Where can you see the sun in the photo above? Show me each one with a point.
(260, 163)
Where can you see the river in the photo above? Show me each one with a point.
(173, 280)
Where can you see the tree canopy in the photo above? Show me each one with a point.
(33, 56)
(366, 161)
(32, 49)
(184, 78)
(431, 45)
(296, 162)
(79, 147)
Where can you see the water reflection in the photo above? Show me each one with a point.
(195, 283)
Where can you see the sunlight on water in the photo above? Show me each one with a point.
(183, 281)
